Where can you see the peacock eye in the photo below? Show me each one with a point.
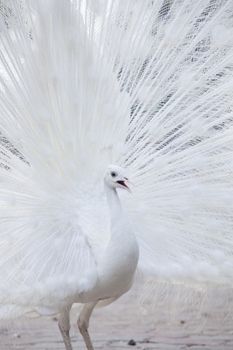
(113, 174)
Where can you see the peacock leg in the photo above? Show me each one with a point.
(64, 326)
(83, 323)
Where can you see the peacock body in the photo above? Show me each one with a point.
(146, 85)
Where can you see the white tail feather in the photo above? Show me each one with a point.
(147, 85)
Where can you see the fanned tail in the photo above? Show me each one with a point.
(146, 85)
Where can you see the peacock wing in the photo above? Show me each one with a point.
(46, 257)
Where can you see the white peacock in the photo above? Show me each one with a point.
(146, 85)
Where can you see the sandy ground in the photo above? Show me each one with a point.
(171, 324)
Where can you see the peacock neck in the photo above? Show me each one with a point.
(113, 202)
(120, 258)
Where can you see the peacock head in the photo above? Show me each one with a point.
(115, 177)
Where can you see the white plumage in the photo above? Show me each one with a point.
(146, 85)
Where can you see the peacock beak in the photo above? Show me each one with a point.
(123, 184)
